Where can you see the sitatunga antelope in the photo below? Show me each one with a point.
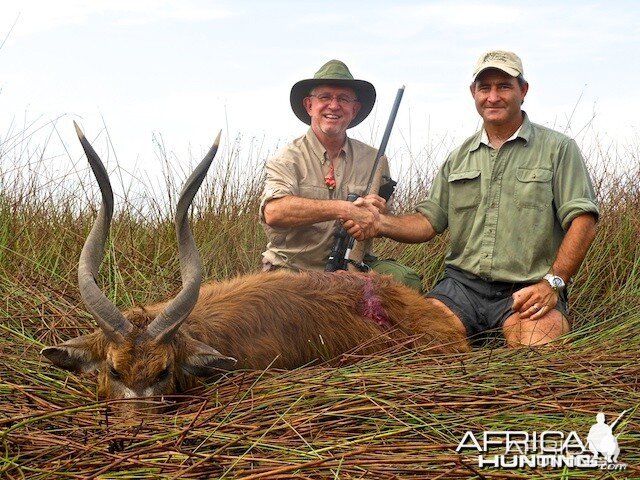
(280, 319)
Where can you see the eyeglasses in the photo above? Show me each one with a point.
(342, 99)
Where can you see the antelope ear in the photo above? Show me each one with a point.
(80, 354)
(205, 361)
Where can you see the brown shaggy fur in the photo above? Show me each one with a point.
(295, 318)
(279, 319)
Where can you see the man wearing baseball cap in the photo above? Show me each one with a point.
(307, 182)
(521, 213)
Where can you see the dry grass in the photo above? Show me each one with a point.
(395, 415)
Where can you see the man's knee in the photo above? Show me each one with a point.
(530, 333)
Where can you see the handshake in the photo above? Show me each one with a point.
(362, 217)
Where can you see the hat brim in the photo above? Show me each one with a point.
(365, 92)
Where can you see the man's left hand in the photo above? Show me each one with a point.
(535, 301)
(373, 200)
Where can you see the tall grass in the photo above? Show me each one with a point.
(393, 415)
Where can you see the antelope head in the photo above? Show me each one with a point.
(135, 355)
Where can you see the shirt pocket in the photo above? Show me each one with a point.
(464, 189)
(533, 188)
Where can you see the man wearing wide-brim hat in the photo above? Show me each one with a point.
(307, 182)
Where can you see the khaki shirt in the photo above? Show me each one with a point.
(507, 210)
(299, 170)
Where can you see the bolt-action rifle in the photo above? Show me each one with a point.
(341, 252)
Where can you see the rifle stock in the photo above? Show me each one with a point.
(346, 253)
(337, 260)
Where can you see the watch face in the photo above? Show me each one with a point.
(558, 282)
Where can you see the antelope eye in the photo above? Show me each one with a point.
(113, 373)
(163, 375)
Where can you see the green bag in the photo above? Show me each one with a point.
(400, 273)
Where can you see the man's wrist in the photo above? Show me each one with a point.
(382, 225)
(344, 210)
(556, 282)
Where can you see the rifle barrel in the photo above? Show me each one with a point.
(385, 137)
(343, 243)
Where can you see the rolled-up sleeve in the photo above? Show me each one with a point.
(435, 206)
(573, 191)
(281, 180)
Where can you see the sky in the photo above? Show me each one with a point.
(136, 74)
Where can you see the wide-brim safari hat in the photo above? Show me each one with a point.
(334, 72)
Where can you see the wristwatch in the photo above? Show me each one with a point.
(557, 283)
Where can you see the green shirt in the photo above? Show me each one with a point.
(299, 170)
(507, 210)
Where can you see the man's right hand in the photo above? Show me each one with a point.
(363, 218)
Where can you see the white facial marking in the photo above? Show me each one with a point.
(128, 393)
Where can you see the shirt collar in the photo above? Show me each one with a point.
(484, 137)
(524, 132)
(321, 153)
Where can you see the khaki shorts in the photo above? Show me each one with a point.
(480, 305)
